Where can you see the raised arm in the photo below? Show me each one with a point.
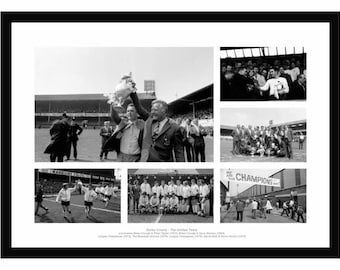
(139, 108)
(114, 116)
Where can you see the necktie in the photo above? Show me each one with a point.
(155, 130)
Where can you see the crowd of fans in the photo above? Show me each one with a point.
(264, 141)
(199, 114)
(174, 195)
(262, 207)
(263, 79)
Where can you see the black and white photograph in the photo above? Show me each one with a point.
(263, 196)
(170, 196)
(263, 135)
(124, 104)
(77, 195)
(263, 73)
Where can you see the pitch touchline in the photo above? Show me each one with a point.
(93, 208)
(158, 218)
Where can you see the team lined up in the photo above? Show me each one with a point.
(266, 141)
(183, 197)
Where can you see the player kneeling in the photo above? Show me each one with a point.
(143, 205)
(173, 204)
(164, 207)
(154, 203)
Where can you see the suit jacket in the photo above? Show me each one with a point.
(298, 91)
(289, 135)
(160, 149)
(168, 140)
(74, 131)
(105, 133)
(236, 135)
(59, 135)
(113, 143)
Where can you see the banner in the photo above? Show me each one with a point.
(239, 176)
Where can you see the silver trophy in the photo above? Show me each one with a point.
(122, 91)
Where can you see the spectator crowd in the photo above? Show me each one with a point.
(263, 79)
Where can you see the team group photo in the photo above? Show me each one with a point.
(77, 195)
(124, 105)
(263, 134)
(170, 195)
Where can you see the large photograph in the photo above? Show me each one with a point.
(263, 73)
(263, 195)
(124, 104)
(170, 196)
(77, 195)
(263, 135)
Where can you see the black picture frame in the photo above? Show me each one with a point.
(7, 18)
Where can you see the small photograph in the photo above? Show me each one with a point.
(77, 195)
(170, 195)
(263, 135)
(263, 73)
(263, 196)
(124, 104)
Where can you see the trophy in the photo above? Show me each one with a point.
(122, 91)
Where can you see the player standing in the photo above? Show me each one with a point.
(89, 196)
(65, 197)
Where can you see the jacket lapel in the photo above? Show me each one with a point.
(164, 129)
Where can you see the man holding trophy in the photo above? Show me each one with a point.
(154, 138)
(128, 136)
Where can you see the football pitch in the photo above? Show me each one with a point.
(227, 147)
(168, 218)
(99, 214)
(89, 145)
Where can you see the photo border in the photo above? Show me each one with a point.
(7, 18)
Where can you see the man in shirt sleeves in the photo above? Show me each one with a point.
(161, 136)
(277, 86)
(65, 197)
(128, 136)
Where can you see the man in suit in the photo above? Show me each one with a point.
(299, 88)
(188, 141)
(75, 131)
(105, 133)
(161, 134)
(198, 133)
(288, 135)
(236, 134)
(59, 135)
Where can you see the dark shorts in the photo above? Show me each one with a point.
(65, 203)
(108, 196)
(88, 203)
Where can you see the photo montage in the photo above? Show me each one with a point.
(77, 195)
(170, 195)
(123, 105)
